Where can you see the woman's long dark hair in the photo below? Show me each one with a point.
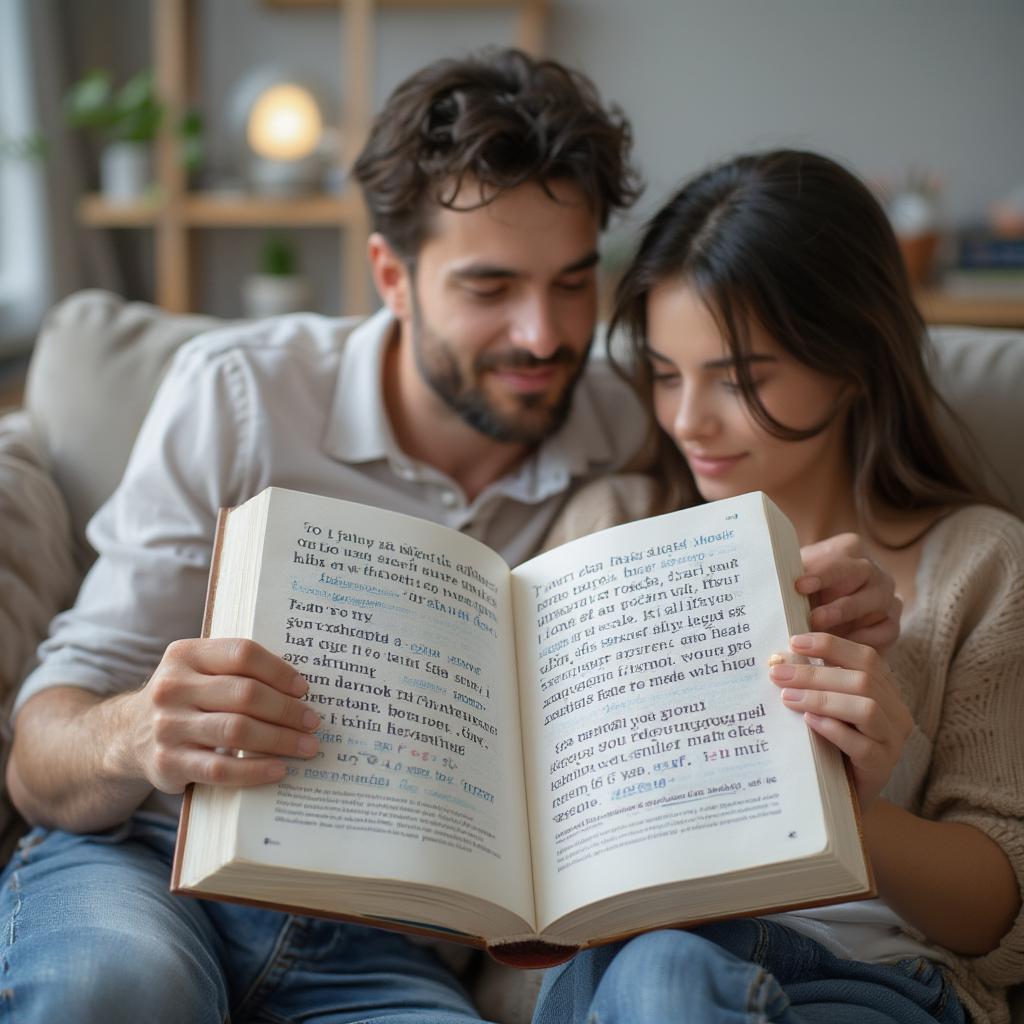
(796, 243)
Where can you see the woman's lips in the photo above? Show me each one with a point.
(712, 465)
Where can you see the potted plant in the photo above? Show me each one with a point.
(127, 120)
(278, 287)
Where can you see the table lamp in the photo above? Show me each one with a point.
(280, 118)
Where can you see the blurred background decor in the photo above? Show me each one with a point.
(125, 121)
(278, 287)
(278, 120)
(913, 206)
(879, 87)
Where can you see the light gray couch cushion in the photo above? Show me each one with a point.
(97, 363)
(980, 373)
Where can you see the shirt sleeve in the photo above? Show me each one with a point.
(153, 537)
(977, 770)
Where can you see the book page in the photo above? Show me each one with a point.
(403, 630)
(657, 747)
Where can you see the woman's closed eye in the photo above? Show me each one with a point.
(664, 378)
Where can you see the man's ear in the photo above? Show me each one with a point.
(390, 276)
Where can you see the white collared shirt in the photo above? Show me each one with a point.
(295, 402)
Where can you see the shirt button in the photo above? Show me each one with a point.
(449, 499)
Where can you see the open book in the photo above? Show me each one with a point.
(532, 760)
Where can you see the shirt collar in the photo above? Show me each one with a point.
(358, 429)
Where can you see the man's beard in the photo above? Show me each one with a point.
(534, 419)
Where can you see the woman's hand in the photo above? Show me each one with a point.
(852, 701)
(851, 595)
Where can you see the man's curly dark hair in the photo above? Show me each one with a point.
(499, 118)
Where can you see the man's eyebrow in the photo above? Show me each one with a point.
(493, 271)
(588, 261)
(716, 364)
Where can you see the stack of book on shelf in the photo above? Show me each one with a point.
(987, 266)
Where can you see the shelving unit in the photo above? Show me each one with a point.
(176, 213)
(942, 307)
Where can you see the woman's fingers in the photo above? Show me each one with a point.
(849, 698)
(865, 714)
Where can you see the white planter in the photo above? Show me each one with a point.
(125, 171)
(272, 294)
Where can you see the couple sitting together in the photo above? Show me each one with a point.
(774, 345)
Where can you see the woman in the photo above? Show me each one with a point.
(778, 345)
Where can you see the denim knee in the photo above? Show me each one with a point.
(89, 932)
(103, 978)
(661, 976)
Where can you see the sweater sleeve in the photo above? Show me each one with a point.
(605, 502)
(977, 770)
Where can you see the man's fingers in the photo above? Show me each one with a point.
(254, 699)
(212, 768)
(238, 657)
(239, 732)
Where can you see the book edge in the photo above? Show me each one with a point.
(211, 596)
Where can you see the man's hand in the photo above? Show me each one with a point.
(851, 596)
(207, 697)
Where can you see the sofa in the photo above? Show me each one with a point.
(95, 367)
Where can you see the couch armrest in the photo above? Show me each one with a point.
(37, 572)
(96, 366)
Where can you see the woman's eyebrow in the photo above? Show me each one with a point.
(716, 364)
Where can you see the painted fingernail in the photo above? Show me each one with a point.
(792, 695)
(310, 720)
(782, 672)
(802, 641)
(308, 745)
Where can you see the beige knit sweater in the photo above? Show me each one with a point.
(960, 663)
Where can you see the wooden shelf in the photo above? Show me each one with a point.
(174, 213)
(940, 307)
(96, 212)
(210, 210)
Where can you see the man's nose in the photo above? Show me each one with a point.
(534, 327)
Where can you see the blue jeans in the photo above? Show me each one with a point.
(90, 933)
(740, 972)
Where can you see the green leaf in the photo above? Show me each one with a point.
(89, 103)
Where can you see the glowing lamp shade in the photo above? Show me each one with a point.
(284, 123)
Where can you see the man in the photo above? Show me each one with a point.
(465, 401)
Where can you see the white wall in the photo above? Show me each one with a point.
(883, 85)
